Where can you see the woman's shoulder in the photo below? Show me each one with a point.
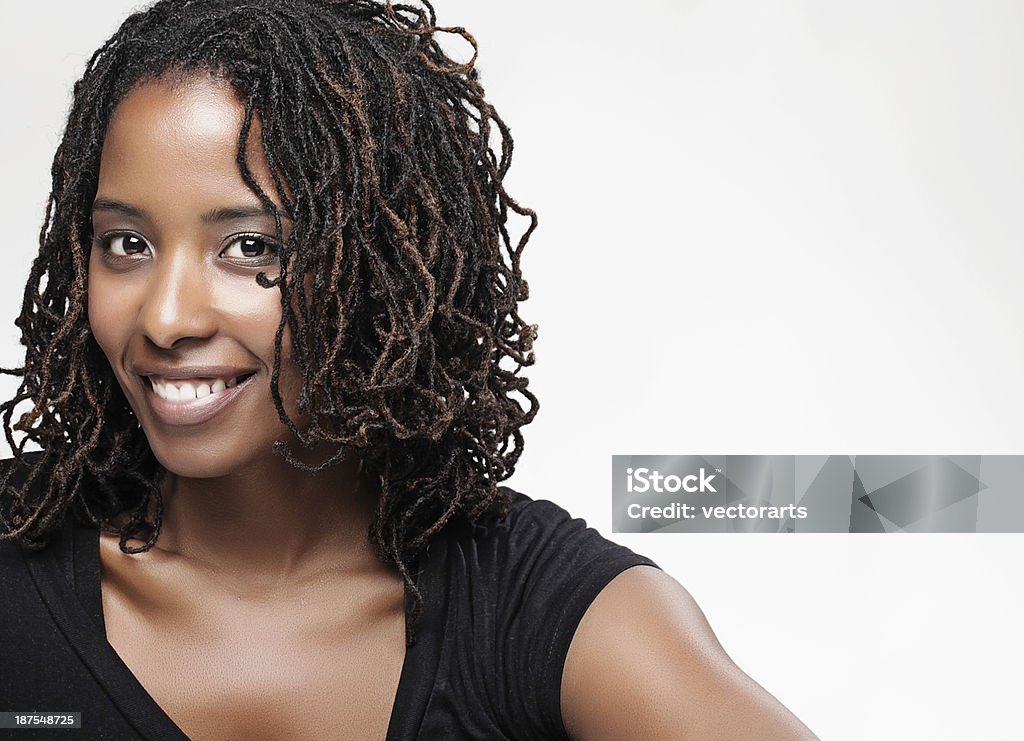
(27, 565)
(23, 566)
(504, 597)
(545, 538)
(13, 473)
(27, 468)
(533, 519)
(535, 571)
(14, 469)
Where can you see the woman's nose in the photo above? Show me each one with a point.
(178, 303)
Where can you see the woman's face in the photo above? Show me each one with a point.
(173, 300)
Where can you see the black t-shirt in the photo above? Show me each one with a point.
(501, 605)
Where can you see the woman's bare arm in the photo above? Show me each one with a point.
(644, 664)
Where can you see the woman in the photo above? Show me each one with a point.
(275, 309)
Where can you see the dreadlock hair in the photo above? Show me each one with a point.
(389, 163)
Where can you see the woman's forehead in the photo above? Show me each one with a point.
(196, 119)
(175, 143)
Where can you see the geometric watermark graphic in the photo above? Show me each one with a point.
(817, 493)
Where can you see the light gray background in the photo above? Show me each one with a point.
(766, 227)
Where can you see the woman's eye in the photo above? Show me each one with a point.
(248, 247)
(126, 245)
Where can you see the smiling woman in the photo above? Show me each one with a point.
(273, 370)
(178, 240)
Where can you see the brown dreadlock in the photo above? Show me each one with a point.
(410, 341)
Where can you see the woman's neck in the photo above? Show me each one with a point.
(272, 521)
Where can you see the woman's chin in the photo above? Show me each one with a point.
(203, 464)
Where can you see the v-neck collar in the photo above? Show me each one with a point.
(68, 578)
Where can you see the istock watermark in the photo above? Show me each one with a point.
(641, 480)
(817, 493)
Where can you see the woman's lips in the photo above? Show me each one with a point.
(203, 398)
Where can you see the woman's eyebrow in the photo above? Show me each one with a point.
(119, 207)
(213, 216)
(234, 213)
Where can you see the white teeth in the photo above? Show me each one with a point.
(187, 390)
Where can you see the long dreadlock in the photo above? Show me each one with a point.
(389, 163)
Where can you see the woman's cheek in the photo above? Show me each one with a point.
(108, 312)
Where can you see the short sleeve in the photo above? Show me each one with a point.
(502, 601)
(555, 568)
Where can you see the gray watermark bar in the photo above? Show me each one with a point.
(818, 493)
(35, 719)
